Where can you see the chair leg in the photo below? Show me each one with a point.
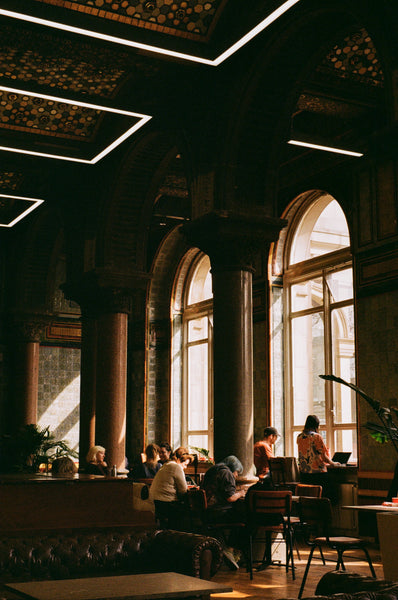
(250, 555)
(369, 562)
(289, 554)
(307, 568)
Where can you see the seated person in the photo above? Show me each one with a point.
(225, 503)
(169, 488)
(63, 466)
(149, 468)
(263, 451)
(165, 452)
(95, 460)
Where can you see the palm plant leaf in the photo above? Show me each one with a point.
(388, 430)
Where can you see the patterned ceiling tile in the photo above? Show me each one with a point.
(355, 58)
(57, 64)
(328, 106)
(10, 180)
(37, 115)
(185, 18)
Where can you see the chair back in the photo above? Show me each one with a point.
(197, 501)
(269, 507)
(277, 471)
(316, 514)
(306, 489)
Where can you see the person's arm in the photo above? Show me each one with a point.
(180, 481)
(323, 451)
(236, 496)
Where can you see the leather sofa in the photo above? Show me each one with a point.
(85, 553)
(345, 585)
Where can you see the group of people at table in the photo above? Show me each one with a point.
(225, 501)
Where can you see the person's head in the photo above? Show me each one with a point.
(152, 453)
(165, 452)
(311, 423)
(182, 456)
(271, 434)
(63, 465)
(96, 454)
(233, 463)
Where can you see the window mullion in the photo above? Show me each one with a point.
(328, 366)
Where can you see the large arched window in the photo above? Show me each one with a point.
(197, 377)
(319, 325)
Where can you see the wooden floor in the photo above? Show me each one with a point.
(273, 583)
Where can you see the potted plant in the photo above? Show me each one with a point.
(30, 447)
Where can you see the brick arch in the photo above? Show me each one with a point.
(122, 241)
(164, 272)
(34, 252)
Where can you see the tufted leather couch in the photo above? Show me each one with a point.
(74, 554)
(345, 585)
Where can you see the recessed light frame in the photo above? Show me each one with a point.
(325, 148)
(35, 203)
(157, 49)
(142, 120)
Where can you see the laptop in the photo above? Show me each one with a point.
(341, 457)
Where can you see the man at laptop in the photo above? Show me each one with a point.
(313, 461)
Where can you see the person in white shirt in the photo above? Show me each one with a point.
(168, 489)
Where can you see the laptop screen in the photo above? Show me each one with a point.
(341, 457)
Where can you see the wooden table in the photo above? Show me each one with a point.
(124, 587)
(374, 508)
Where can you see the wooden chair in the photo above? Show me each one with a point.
(269, 511)
(200, 521)
(309, 490)
(277, 469)
(316, 513)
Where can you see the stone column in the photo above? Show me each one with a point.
(26, 336)
(111, 385)
(231, 241)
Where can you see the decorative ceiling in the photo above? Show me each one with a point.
(66, 94)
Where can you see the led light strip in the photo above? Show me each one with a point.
(158, 50)
(36, 203)
(325, 148)
(142, 120)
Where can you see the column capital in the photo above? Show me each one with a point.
(102, 291)
(231, 238)
(27, 327)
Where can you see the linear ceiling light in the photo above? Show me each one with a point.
(35, 203)
(325, 148)
(158, 50)
(142, 120)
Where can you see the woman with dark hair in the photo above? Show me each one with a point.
(314, 460)
(149, 468)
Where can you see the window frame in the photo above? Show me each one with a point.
(319, 266)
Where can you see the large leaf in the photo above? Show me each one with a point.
(388, 430)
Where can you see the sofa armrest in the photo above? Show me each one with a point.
(346, 582)
(186, 553)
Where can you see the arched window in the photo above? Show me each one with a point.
(197, 379)
(319, 325)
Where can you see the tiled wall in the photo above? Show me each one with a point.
(59, 392)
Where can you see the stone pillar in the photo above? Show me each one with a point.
(26, 335)
(110, 422)
(231, 241)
